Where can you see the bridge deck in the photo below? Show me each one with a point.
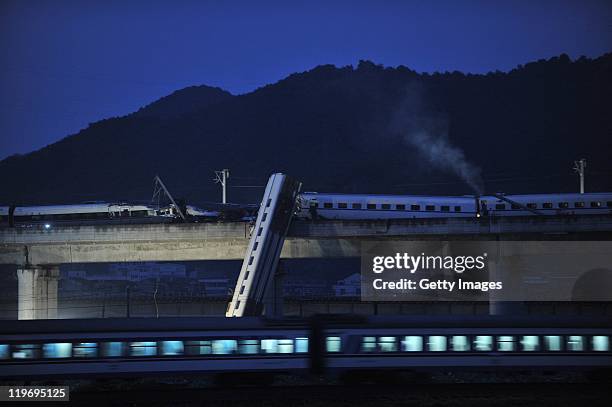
(218, 241)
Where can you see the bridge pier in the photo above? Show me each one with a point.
(37, 292)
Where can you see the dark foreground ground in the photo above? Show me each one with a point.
(441, 390)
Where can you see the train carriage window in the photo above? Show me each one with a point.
(430, 207)
(224, 346)
(387, 344)
(143, 348)
(198, 347)
(515, 206)
(575, 343)
(385, 206)
(500, 207)
(578, 204)
(595, 204)
(445, 208)
(301, 345)
(547, 205)
(269, 346)
(600, 343)
(112, 349)
(356, 206)
(460, 343)
(328, 205)
(609, 204)
(248, 346)
(563, 205)
(371, 206)
(333, 344)
(415, 207)
(23, 351)
(57, 350)
(277, 345)
(171, 348)
(4, 351)
(436, 343)
(530, 343)
(532, 206)
(483, 343)
(400, 207)
(85, 350)
(552, 343)
(368, 344)
(285, 346)
(505, 343)
(412, 344)
(457, 208)
(342, 205)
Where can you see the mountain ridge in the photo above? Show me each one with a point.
(364, 129)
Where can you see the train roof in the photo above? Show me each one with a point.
(585, 196)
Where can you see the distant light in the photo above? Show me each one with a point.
(47, 226)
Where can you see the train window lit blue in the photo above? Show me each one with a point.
(460, 343)
(552, 343)
(112, 349)
(170, 348)
(505, 343)
(368, 344)
(198, 347)
(285, 346)
(143, 348)
(301, 345)
(269, 346)
(4, 351)
(387, 344)
(483, 343)
(530, 343)
(248, 346)
(224, 346)
(575, 343)
(26, 351)
(436, 343)
(57, 350)
(601, 343)
(333, 344)
(412, 344)
(85, 350)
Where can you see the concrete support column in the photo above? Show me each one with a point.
(273, 299)
(37, 292)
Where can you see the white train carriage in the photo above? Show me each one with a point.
(361, 206)
(546, 204)
(79, 212)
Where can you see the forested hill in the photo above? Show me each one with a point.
(367, 128)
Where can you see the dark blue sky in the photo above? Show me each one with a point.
(68, 63)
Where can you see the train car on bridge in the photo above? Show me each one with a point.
(89, 212)
(360, 206)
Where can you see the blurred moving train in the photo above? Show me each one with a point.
(323, 345)
(350, 206)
